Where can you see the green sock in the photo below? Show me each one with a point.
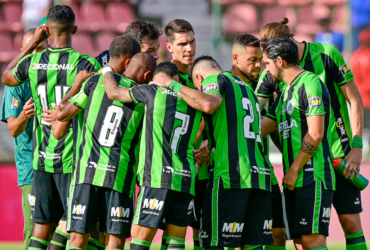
(72, 248)
(319, 248)
(100, 246)
(268, 247)
(91, 244)
(175, 243)
(140, 244)
(256, 247)
(38, 244)
(59, 240)
(164, 242)
(356, 241)
(196, 243)
(229, 248)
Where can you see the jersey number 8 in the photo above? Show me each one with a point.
(111, 123)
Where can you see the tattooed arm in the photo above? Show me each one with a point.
(310, 143)
(113, 91)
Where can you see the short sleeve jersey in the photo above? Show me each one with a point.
(103, 58)
(306, 96)
(166, 152)
(235, 134)
(326, 62)
(13, 103)
(50, 73)
(108, 146)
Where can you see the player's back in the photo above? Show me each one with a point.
(50, 74)
(235, 133)
(109, 143)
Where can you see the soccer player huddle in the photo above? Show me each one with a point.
(193, 137)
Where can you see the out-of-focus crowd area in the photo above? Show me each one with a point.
(343, 23)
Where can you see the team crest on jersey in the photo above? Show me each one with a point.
(315, 102)
(345, 69)
(210, 87)
(290, 107)
(15, 103)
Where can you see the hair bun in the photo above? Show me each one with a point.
(284, 20)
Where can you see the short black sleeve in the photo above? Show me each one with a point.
(140, 93)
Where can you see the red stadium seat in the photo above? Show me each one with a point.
(103, 41)
(260, 2)
(12, 13)
(83, 44)
(91, 17)
(240, 18)
(338, 22)
(308, 18)
(119, 16)
(228, 1)
(6, 48)
(75, 9)
(17, 42)
(276, 13)
(330, 2)
(302, 37)
(294, 2)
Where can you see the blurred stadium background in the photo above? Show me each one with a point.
(343, 23)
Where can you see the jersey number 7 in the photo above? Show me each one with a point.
(179, 131)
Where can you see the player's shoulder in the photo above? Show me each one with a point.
(324, 48)
(124, 81)
(103, 58)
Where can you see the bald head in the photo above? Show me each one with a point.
(141, 68)
(202, 67)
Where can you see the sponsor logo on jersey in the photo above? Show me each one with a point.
(233, 227)
(78, 209)
(256, 170)
(345, 69)
(31, 200)
(120, 212)
(357, 202)
(168, 92)
(50, 156)
(290, 107)
(210, 87)
(191, 205)
(15, 103)
(267, 225)
(315, 102)
(303, 222)
(91, 164)
(45, 66)
(240, 82)
(203, 235)
(168, 170)
(284, 128)
(153, 204)
(340, 125)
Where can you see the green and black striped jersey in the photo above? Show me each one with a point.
(235, 134)
(326, 62)
(170, 126)
(108, 147)
(306, 96)
(50, 73)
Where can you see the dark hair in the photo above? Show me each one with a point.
(29, 31)
(202, 58)
(176, 26)
(167, 68)
(246, 40)
(324, 21)
(61, 14)
(124, 46)
(142, 30)
(275, 29)
(284, 47)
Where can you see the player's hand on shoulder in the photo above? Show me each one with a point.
(29, 108)
(40, 33)
(353, 163)
(161, 81)
(83, 75)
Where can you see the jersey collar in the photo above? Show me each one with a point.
(59, 49)
(296, 79)
(306, 49)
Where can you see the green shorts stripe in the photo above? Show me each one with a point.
(215, 190)
(138, 206)
(316, 212)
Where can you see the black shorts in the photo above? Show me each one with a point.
(277, 207)
(235, 217)
(48, 198)
(88, 202)
(307, 210)
(347, 198)
(200, 192)
(156, 206)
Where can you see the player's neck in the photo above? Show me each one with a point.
(61, 41)
(183, 68)
(236, 71)
(116, 66)
(291, 73)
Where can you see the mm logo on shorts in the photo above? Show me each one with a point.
(326, 212)
(119, 212)
(267, 225)
(153, 204)
(233, 227)
(78, 209)
(31, 200)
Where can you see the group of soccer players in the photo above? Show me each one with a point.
(191, 136)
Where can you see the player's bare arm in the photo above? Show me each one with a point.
(8, 77)
(207, 103)
(113, 91)
(263, 101)
(268, 126)
(353, 97)
(312, 140)
(59, 128)
(17, 125)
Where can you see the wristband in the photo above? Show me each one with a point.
(175, 86)
(357, 142)
(107, 69)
